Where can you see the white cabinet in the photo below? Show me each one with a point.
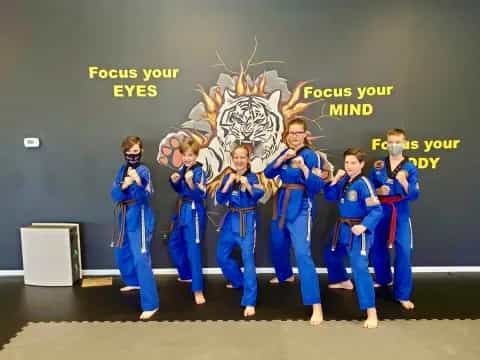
(51, 254)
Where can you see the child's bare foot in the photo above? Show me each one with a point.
(184, 280)
(372, 319)
(129, 288)
(346, 285)
(377, 285)
(199, 298)
(317, 315)
(147, 314)
(249, 311)
(276, 281)
(230, 286)
(407, 304)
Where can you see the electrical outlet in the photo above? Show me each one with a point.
(31, 142)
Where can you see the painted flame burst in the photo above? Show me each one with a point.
(289, 109)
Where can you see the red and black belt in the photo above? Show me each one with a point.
(391, 201)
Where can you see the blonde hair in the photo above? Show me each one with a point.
(190, 144)
(240, 146)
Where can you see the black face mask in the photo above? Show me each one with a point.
(133, 160)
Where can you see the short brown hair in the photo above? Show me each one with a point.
(358, 153)
(190, 144)
(397, 132)
(130, 141)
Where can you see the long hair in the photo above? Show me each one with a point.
(299, 120)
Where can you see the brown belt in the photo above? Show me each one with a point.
(241, 212)
(178, 207)
(288, 189)
(121, 206)
(350, 222)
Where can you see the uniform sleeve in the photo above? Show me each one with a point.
(312, 159)
(257, 189)
(372, 177)
(223, 197)
(271, 171)
(177, 187)
(141, 193)
(117, 193)
(332, 192)
(413, 184)
(314, 183)
(372, 204)
(199, 191)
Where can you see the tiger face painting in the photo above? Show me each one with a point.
(251, 120)
(238, 109)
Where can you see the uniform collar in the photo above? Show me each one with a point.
(393, 173)
(301, 149)
(194, 166)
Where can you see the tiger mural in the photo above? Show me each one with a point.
(243, 110)
(251, 120)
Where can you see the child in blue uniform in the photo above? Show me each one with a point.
(360, 211)
(131, 192)
(189, 220)
(396, 181)
(292, 218)
(240, 191)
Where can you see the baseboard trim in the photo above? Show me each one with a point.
(11, 273)
(260, 270)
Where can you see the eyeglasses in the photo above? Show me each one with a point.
(295, 133)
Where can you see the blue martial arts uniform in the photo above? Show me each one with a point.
(395, 228)
(357, 204)
(136, 225)
(292, 221)
(188, 226)
(239, 228)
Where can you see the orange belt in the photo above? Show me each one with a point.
(117, 241)
(288, 189)
(391, 200)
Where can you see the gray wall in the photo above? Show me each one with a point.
(427, 49)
